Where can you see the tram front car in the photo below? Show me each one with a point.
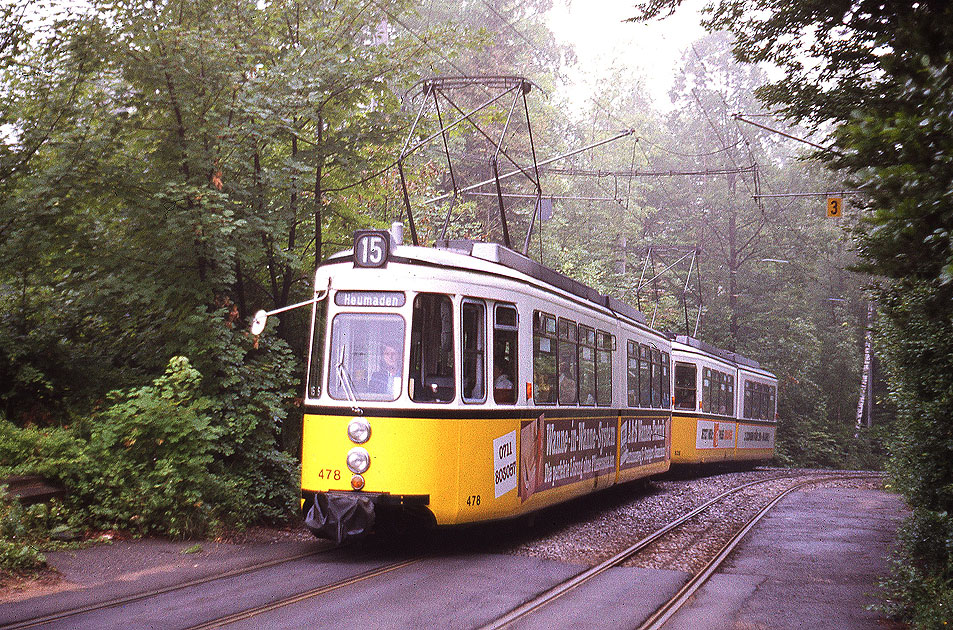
(382, 432)
(419, 395)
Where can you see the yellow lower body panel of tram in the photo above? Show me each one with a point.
(698, 440)
(702, 441)
(755, 441)
(469, 470)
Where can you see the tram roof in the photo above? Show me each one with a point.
(496, 253)
(727, 355)
(449, 252)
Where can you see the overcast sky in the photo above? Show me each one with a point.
(595, 28)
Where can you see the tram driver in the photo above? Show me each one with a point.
(386, 380)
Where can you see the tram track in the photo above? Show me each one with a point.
(664, 613)
(302, 597)
(534, 608)
(129, 599)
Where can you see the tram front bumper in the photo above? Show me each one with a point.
(340, 516)
(343, 516)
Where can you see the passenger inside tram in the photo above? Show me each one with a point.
(503, 390)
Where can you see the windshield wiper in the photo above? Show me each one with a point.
(346, 383)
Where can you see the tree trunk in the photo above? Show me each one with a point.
(865, 375)
(287, 273)
(318, 254)
(733, 275)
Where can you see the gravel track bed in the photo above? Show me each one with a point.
(616, 522)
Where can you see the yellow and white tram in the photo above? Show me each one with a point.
(466, 382)
(724, 405)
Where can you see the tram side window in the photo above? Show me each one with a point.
(568, 363)
(645, 376)
(544, 358)
(587, 366)
(706, 390)
(666, 382)
(656, 378)
(757, 398)
(730, 391)
(316, 373)
(603, 368)
(431, 349)
(505, 362)
(474, 351)
(686, 375)
(632, 373)
(772, 403)
(715, 391)
(722, 393)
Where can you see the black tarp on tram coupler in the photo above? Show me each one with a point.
(340, 517)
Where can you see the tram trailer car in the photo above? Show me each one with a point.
(725, 406)
(466, 383)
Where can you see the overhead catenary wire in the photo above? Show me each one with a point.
(741, 118)
(839, 193)
(641, 173)
(611, 115)
(434, 50)
(621, 134)
(692, 155)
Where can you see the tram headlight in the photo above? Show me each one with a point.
(359, 430)
(358, 460)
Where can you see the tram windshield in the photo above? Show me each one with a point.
(366, 357)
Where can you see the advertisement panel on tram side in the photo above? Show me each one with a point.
(557, 452)
(643, 441)
(755, 436)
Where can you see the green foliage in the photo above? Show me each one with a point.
(909, 176)
(164, 174)
(165, 459)
(17, 535)
(879, 73)
(917, 347)
(19, 557)
(155, 448)
(920, 588)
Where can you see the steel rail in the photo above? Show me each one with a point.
(300, 597)
(120, 601)
(661, 616)
(561, 589)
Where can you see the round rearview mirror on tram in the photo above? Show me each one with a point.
(258, 324)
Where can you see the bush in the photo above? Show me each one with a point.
(920, 589)
(152, 448)
(17, 526)
(15, 556)
(917, 347)
(166, 459)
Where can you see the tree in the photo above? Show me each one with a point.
(165, 171)
(878, 74)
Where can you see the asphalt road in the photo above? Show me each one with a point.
(812, 563)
